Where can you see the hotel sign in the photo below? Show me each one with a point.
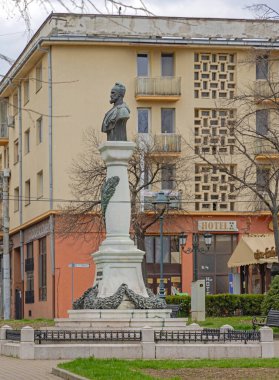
(217, 225)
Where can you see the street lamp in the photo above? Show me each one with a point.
(195, 249)
(160, 204)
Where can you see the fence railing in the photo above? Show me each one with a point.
(89, 336)
(51, 336)
(160, 86)
(13, 335)
(207, 336)
(167, 142)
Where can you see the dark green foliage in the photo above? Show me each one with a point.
(222, 305)
(271, 300)
(184, 301)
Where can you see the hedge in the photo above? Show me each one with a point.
(223, 305)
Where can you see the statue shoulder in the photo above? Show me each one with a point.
(123, 111)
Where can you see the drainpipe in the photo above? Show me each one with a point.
(6, 247)
(50, 170)
(21, 238)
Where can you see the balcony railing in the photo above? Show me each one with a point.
(265, 147)
(160, 86)
(29, 265)
(3, 131)
(266, 90)
(167, 142)
(29, 296)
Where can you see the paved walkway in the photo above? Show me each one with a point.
(16, 369)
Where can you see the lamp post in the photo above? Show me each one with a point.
(195, 249)
(161, 204)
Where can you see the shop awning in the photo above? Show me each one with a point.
(254, 249)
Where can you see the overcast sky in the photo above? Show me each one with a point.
(13, 36)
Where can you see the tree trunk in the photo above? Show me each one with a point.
(276, 232)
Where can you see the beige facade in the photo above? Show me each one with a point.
(59, 87)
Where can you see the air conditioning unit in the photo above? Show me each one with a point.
(175, 201)
(11, 121)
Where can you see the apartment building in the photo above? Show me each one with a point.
(180, 75)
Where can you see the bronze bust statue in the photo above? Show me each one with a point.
(114, 123)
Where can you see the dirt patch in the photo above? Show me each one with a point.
(216, 373)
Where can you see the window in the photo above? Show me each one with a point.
(27, 192)
(15, 104)
(39, 129)
(167, 120)
(39, 76)
(26, 91)
(167, 61)
(168, 176)
(16, 199)
(30, 282)
(29, 250)
(27, 141)
(42, 270)
(3, 114)
(262, 178)
(16, 155)
(262, 67)
(6, 157)
(142, 65)
(143, 120)
(262, 122)
(40, 184)
(171, 253)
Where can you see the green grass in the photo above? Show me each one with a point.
(35, 323)
(238, 323)
(114, 369)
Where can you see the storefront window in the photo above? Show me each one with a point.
(212, 265)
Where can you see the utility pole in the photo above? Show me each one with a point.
(6, 247)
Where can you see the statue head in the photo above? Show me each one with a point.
(117, 93)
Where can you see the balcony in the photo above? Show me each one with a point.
(264, 149)
(4, 138)
(266, 91)
(29, 265)
(175, 198)
(29, 296)
(158, 89)
(167, 143)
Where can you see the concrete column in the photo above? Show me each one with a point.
(148, 343)
(267, 343)
(3, 331)
(27, 345)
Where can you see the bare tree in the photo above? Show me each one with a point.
(263, 11)
(253, 163)
(149, 166)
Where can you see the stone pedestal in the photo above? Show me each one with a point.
(118, 261)
(120, 319)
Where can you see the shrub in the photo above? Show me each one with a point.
(271, 300)
(184, 301)
(223, 305)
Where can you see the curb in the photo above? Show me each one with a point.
(66, 375)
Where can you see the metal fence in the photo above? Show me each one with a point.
(207, 336)
(13, 335)
(57, 336)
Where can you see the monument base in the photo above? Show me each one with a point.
(120, 319)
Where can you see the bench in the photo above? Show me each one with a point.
(174, 309)
(272, 319)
